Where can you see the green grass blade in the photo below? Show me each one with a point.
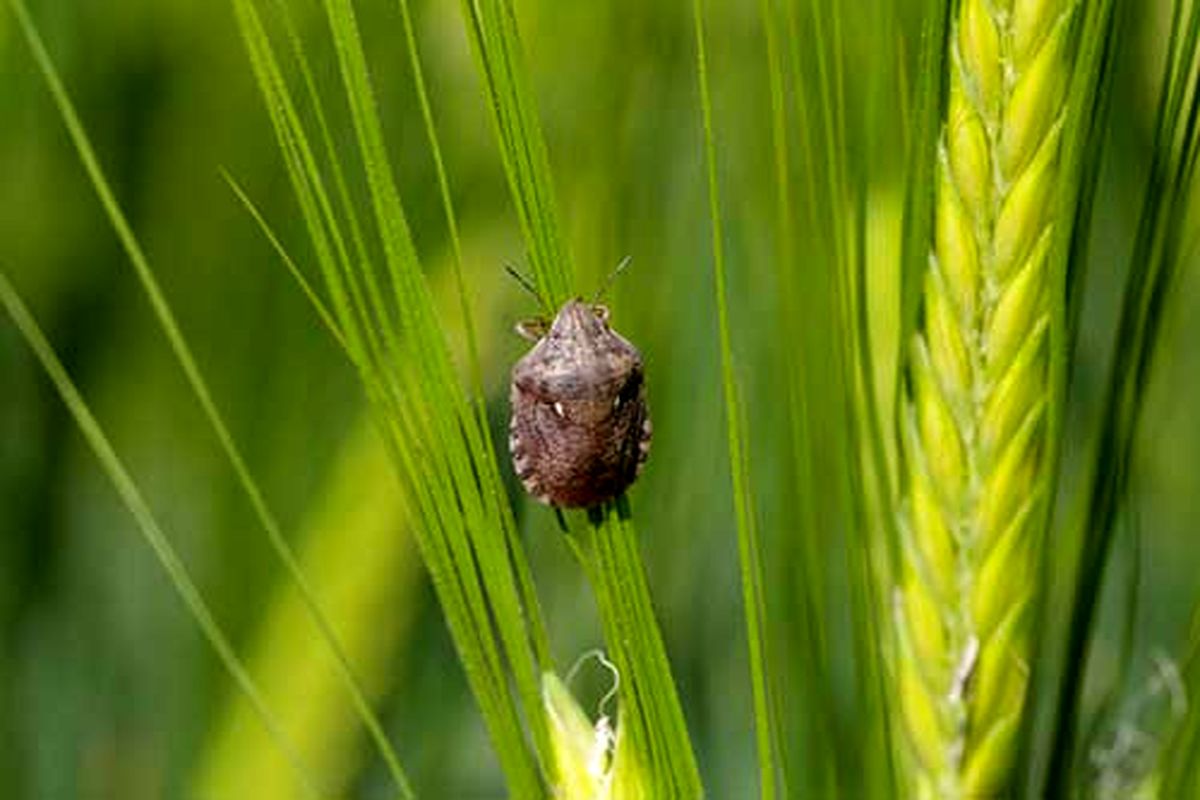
(922, 161)
(840, 457)
(466, 532)
(834, 545)
(152, 532)
(805, 583)
(443, 179)
(496, 44)
(1087, 113)
(1156, 260)
(292, 268)
(356, 546)
(1134, 342)
(650, 711)
(869, 274)
(358, 305)
(183, 354)
(524, 578)
(418, 319)
(766, 727)
(831, 138)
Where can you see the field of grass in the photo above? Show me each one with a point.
(916, 289)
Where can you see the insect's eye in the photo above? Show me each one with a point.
(533, 329)
(601, 313)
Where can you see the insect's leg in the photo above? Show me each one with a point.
(623, 510)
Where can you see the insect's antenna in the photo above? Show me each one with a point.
(526, 284)
(612, 276)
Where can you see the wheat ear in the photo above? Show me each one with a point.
(973, 422)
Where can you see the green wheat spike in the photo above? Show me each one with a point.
(974, 414)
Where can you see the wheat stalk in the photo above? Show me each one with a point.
(976, 399)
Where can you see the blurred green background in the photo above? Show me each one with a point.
(106, 688)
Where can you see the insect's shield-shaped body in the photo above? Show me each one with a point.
(580, 428)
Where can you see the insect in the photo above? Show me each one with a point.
(580, 430)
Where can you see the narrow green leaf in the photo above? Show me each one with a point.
(651, 715)
(766, 726)
(524, 578)
(922, 159)
(467, 533)
(152, 532)
(200, 388)
(650, 711)
(496, 44)
(356, 546)
(1156, 261)
(292, 268)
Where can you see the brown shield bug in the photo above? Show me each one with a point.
(580, 429)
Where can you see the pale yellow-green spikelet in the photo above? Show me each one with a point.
(573, 740)
(973, 425)
(591, 761)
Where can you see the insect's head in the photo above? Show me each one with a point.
(576, 317)
(575, 320)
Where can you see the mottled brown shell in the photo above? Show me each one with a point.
(580, 428)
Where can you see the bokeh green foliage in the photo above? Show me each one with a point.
(106, 688)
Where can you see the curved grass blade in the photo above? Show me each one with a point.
(524, 578)
(356, 547)
(439, 164)
(343, 194)
(806, 585)
(608, 552)
(466, 530)
(811, 757)
(651, 717)
(766, 725)
(199, 386)
(485, 507)
(1157, 258)
(839, 452)
(496, 43)
(922, 162)
(293, 269)
(1083, 144)
(152, 532)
